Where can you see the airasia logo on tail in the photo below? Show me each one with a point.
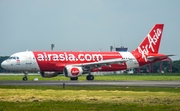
(75, 71)
(150, 44)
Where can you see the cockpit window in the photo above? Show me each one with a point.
(10, 58)
(14, 57)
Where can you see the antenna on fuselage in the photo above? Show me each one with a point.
(52, 46)
(111, 48)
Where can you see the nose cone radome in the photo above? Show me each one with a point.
(4, 65)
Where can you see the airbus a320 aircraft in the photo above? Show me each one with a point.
(74, 64)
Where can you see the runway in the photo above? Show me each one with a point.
(93, 83)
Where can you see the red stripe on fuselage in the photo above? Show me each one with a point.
(55, 61)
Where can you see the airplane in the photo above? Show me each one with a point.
(74, 64)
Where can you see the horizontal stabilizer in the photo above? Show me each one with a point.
(151, 58)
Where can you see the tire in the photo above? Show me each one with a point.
(25, 78)
(90, 77)
(74, 78)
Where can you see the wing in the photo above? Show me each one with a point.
(103, 63)
(92, 65)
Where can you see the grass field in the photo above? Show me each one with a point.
(91, 98)
(114, 77)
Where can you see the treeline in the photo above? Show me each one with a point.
(176, 66)
(162, 67)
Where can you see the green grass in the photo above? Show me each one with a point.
(91, 98)
(114, 77)
(82, 106)
(97, 88)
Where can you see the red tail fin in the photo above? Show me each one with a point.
(152, 41)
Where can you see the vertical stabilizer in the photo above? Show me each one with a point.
(152, 41)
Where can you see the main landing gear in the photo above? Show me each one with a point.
(25, 76)
(89, 77)
(74, 78)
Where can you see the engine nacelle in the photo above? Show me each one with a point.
(49, 74)
(72, 71)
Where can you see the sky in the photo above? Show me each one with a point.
(86, 25)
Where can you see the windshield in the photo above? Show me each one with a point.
(14, 57)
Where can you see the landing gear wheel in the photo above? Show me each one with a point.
(25, 75)
(74, 78)
(90, 77)
(25, 78)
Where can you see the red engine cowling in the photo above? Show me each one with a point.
(72, 71)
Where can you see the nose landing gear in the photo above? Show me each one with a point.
(25, 76)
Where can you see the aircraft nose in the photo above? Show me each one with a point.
(4, 64)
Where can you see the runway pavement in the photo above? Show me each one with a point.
(93, 83)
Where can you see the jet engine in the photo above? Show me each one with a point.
(72, 71)
(49, 74)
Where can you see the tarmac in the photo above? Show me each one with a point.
(94, 83)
